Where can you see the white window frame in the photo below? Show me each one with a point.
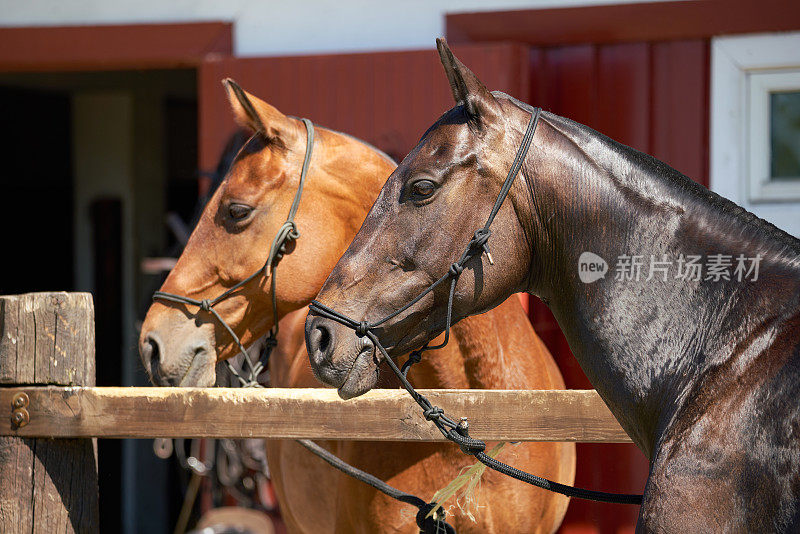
(760, 85)
(744, 69)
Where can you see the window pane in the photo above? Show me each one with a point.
(785, 135)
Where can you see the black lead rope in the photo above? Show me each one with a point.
(428, 525)
(458, 433)
(286, 233)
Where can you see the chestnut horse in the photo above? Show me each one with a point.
(180, 345)
(700, 365)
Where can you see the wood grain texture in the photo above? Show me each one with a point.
(47, 338)
(46, 485)
(573, 415)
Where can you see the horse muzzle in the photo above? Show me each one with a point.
(341, 359)
(180, 354)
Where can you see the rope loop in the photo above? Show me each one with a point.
(293, 233)
(467, 444)
(205, 305)
(456, 269)
(413, 358)
(362, 328)
(286, 234)
(289, 232)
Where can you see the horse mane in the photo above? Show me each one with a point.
(375, 149)
(386, 156)
(731, 215)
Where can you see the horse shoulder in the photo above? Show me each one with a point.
(732, 463)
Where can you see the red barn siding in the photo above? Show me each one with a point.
(112, 47)
(388, 99)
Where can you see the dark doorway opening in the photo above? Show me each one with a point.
(37, 186)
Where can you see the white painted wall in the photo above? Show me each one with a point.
(281, 27)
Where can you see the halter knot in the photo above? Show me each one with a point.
(286, 233)
(435, 523)
(480, 238)
(456, 269)
(361, 328)
(270, 342)
(433, 413)
(205, 305)
(290, 229)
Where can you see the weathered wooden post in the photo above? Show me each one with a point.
(46, 485)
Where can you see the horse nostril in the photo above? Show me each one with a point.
(320, 340)
(151, 353)
(155, 352)
(323, 338)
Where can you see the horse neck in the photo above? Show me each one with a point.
(646, 345)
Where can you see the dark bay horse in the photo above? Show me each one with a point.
(682, 308)
(180, 345)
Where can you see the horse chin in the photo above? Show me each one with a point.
(202, 372)
(362, 377)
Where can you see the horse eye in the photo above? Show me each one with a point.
(239, 211)
(422, 189)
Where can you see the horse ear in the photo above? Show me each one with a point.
(467, 88)
(256, 115)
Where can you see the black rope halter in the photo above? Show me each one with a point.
(458, 433)
(286, 233)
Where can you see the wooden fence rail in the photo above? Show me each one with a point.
(388, 414)
(48, 467)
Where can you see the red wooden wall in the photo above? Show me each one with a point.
(387, 99)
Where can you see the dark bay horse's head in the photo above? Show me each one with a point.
(423, 219)
(179, 344)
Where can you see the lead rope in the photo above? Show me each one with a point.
(458, 433)
(286, 233)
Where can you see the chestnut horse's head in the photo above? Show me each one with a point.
(181, 344)
(421, 223)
